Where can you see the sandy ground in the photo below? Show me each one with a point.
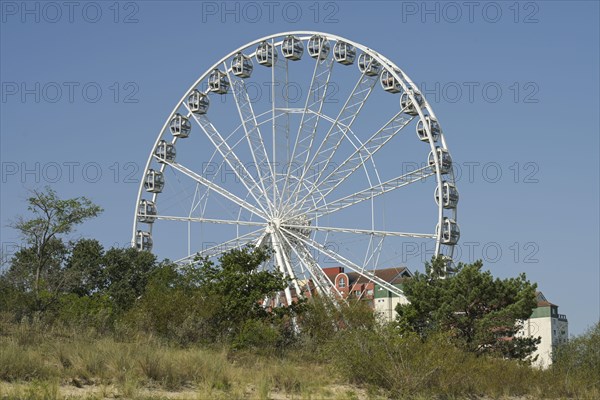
(97, 392)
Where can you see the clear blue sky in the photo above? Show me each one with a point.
(515, 85)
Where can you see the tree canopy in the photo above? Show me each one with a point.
(36, 266)
(480, 313)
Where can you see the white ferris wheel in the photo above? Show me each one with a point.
(303, 142)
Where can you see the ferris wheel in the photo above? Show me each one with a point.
(301, 142)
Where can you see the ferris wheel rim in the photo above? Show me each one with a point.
(305, 35)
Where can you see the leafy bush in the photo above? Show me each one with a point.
(578, 360)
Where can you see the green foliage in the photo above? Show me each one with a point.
(209, 303)
(125, 273)
(14, 301)
(257, 334)
(578, 360)
(85, 267)
(87, 284)
(96, 310)
(405, 366)
(172, 305)
(38, 266)
(238, 288)
(53, 217)
(481, 313)
(321, 319)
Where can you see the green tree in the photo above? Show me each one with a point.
(84, 267)
(481, 313)
(43, 233)
(125, 274)
(173, 305)
(210, 302)
(237, 289)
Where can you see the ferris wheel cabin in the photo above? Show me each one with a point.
(449, 195)
(154, 181)
(143, 241)
(266, 54)
(433, 125)
(389, 83)
(198, 102)
(318, 47)
(146, 211)
(292, 48)
(180, 126)
(241, 65)
(407, 105)
(165, 152)
(450, 231)
(445, 160)
(449, 264)
(368, 65)
(218, 82)
(344, 53)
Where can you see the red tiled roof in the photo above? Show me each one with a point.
(542, 301)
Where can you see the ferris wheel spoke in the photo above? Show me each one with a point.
(372, 256)
(336, 133)
(251, 130)
(208, 168)
(281, 121)
(345, 262)
(233, 161)
(372, 192)
(371, 232)
(309, 121)
(235, 243)
(210, 220)
(320, 280)
(218, 189)
(359, 157)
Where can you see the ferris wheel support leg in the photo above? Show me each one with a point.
(284, 258)
(280, 265)
(288, 266)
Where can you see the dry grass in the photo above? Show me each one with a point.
(51, 363)
(54, 364)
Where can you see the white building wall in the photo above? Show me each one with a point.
(553, 331)
(385, 307)
(535, 327)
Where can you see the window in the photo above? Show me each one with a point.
(357, 292)
(370, 292)
(342, 283)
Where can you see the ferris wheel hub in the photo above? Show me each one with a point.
(275, 223)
